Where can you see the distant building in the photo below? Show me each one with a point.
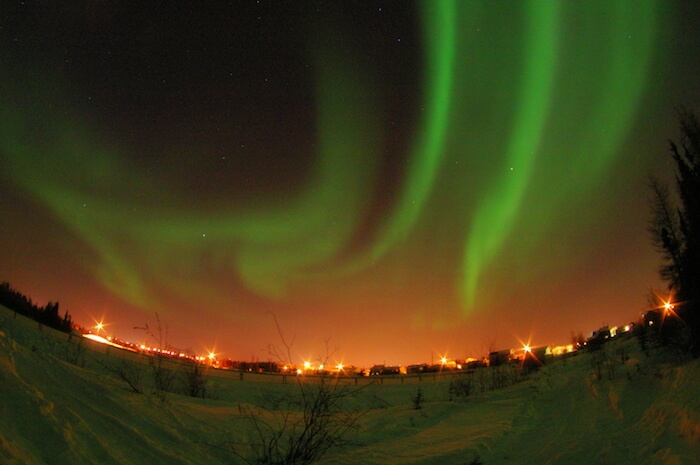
(598, 338)
(500, 357)
(536, 357)
(387, 370)
(420, 368)
(472, 363)
(563, 350)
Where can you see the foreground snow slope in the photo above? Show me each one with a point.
(61, 403)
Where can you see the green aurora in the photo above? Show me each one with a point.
(523, 110)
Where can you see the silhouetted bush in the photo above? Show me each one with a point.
(129, 372)
(418, 399)
(194, 379)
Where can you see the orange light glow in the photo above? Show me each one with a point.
(526, 346)
(668, 306)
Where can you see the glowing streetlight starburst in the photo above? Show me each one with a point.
(667, 306)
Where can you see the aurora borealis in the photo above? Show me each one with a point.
(404, 179)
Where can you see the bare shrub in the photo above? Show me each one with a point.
(306, 425)
(622, 354)
(301, 426)
(75, 353)
(418, 399)
(503, 376)
(163, 378)
(194, 379)
(483, 380)
(129, 372)
(597, 362)
(461, 387)
(603, 362)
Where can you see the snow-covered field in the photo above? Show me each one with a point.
(61, 402)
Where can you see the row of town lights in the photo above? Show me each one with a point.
(668, 307)
(212, 356)
(307, 365)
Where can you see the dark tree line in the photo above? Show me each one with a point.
(675, 227)
(47, 315)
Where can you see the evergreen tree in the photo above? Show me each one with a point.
(675, 229)
(48, 315)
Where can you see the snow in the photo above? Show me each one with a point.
(61, 403)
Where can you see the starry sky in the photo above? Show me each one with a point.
(397, 181)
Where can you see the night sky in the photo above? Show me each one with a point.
(405, 180)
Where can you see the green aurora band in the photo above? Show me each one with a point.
(512, 95)
(493, 219)
(618, 80)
